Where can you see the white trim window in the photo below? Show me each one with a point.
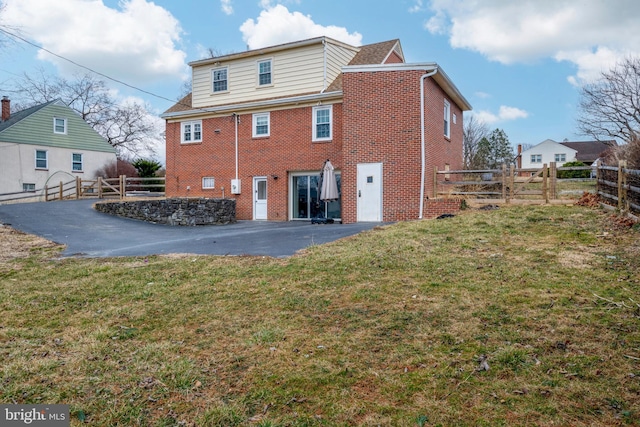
(323, 123)
(59, 125)
(220, 79)
(264, 72)
(191, 132)
(261, 125)
(42, 159)
(28, 188)
(76, 162)
(208, 183)
(447, 119)
(560, 157)
(536, 158)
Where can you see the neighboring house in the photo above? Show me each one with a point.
(549, 151)
(47, 144)
(590, 151)
(259, 125)
(546, 152)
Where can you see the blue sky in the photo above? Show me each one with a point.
(520, 64)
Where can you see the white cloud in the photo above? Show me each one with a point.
(277, 25)
(136, 42)
(584, 33)
(226, 7)
(482, 95)
(505, 113)
(417, 7)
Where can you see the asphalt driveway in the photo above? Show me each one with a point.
(88, 233)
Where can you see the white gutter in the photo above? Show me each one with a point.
(422, 141)
(252, 105)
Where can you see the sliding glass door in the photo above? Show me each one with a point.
(305, 193)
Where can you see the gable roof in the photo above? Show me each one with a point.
(589, 150)
(371, 54)
(23, 114)
(547, 142)
(34, 126)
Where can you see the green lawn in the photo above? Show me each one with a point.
(385, 328)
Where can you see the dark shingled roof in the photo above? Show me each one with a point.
(589, 151)
(370, 54)
(183, 105)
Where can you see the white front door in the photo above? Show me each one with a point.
(369, 192)
(260, 198)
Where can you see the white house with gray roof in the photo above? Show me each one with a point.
(46, 144)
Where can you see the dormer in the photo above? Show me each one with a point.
(299, 68)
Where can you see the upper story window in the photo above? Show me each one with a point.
(191, 132)
(561, 157)
(447, 120)
(536, 158)
(76, 162)
(220, 79)
(261, 125)
(264, 72)
(42, 159)
(322, 123)
(59, 125)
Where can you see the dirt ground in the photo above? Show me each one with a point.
(16, 244)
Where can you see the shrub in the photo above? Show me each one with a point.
(573, 174)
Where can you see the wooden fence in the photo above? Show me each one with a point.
(509, 184)
(100, 188)
(620, 187)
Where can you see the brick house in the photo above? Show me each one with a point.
(259, 125)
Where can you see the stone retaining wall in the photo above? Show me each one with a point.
(175, 211)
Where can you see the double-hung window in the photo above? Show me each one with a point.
(264, 72)
(220, 79)
(42, 159)
(76, 162)
(59, 125)
(261, 125)
(561, 157)
(447, 120)
(322, 123)
(191, 132)
(536, 158)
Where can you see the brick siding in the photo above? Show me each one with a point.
(378, 121)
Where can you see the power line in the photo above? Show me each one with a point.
(90, 69)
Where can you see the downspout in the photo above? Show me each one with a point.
(422, 141)
(236, 118)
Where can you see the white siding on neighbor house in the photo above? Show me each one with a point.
(547, 150)
(17, 163)
(295, 71)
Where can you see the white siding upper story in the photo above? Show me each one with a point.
(546, 152)
(19, 167)
(299, 68)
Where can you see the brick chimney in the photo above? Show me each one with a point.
(6, 108)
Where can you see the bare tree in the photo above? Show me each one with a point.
(473, 131)
(127, 126)
(610, 107)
